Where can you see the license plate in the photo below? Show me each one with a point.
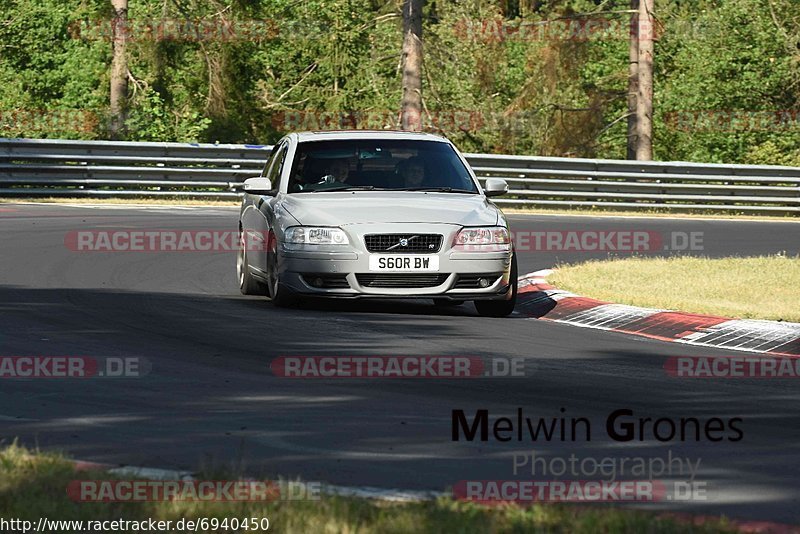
(403, 262)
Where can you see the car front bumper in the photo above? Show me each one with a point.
(344, 271)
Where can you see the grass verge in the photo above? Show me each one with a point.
(763, 287)
(33, 485)
(655, 213)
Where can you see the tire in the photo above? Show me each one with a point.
(447, 303)
(281, 296)
(501, 308)
(284, 297)
(248, 284)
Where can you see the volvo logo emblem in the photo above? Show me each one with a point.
(402, 242)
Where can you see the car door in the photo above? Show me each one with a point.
(261, 219)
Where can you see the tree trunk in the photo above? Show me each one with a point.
(633, 79)
(644, 106)
(411, 104)
(119, 68)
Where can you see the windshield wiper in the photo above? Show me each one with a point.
(438, 189)
(345, 188)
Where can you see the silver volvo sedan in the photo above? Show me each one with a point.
(375, 214)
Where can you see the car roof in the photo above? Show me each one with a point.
(343, 135)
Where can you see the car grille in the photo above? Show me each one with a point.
(419, 243)
(470, 281)
(401, 280)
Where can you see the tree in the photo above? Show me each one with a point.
(119, 68)
(644, 98)
(411, 104)
(633, 79)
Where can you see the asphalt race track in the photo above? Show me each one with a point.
(211, 400)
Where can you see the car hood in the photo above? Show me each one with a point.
(360, 207)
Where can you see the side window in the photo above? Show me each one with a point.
(269, 162)
(274, 172)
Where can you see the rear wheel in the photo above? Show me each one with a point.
(501, 308)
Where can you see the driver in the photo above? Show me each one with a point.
(413, 171)
(338, 170)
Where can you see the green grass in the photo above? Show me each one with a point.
(764, 287)
(33, 485)
(652, 212)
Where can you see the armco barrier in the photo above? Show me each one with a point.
(46, 167)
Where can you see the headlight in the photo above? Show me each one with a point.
(489, 238)
(309, 235)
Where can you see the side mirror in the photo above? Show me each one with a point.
(258, 186)
(495, 187)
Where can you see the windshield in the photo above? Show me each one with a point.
(379, 164)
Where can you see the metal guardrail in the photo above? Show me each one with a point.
(44, 167)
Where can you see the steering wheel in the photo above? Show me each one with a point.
(327, 179)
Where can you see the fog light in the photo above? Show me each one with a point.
(483, 282)
(317, 282)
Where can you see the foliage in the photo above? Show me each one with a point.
(498, 76)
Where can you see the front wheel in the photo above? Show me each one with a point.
(501, 308)
(281, 296)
